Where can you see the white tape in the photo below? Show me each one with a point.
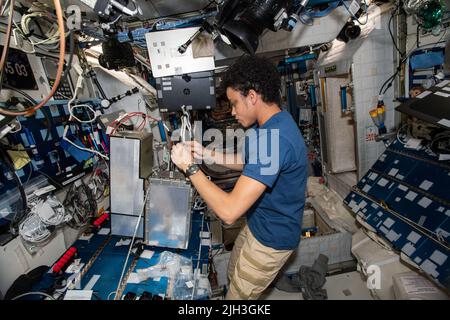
(425, 185)
(78, 295)
(443, 83)
(424, 202)
(444, 122)
(423, 94)
(442, 94)
(92, 282)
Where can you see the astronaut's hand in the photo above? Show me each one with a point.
(201, 153)
(181, 156)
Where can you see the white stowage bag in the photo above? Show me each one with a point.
(373, 256)
(413, 286)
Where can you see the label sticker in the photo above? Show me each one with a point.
(382, 182)
(354, 7)
(411, 195)
(393, 172)
(423, 94)
(425, 185)
(417, 285)
(442, 94)
(444, 122)
(443, 83)
(424, 202)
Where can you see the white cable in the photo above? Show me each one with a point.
(66, 128)
(70, 107)
(185, 124)
(33, 293)
(398, 132)
(132, 241)
(83, 106)
(125, 10)
(109, 295)
(17, 130)
(52, 40)
(16, 31)
(199, 203)
(33, 230)
(6, 6)
(58, 209)
(198, 260)
(165, 126)
(163, 19)
(183, 129)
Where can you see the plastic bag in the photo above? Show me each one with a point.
(186, 288)
(169, 265)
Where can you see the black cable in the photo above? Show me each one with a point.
(390, 80)
(50, 178)
(81, 204)
(34, 102)
(93, 76)
(96, 296)
(386, 82)
(26, 95)
(390, 31)
(9, 147)
(418, 36)
(187, 12)
(436, 139)
(7, 41)
(104, 181)
(71, 53)
(23, 195)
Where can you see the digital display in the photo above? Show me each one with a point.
(18, 72)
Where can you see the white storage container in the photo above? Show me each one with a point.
(413, 286)
(373, 256)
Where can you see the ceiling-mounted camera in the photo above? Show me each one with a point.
(243, 22)
(115, 54)
(350, 31)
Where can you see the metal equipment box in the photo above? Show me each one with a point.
(195, 90)
(168, 213)
(131, 161)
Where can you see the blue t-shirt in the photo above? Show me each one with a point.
(275, 155)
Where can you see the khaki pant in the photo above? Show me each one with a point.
(252, 266)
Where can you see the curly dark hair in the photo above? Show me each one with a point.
(253, 72)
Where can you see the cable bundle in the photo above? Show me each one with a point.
(33, 230)
(185, 125)
(37, 226)
(80, 203)
(121, 120)
(51, 212)
(62, 48)
(100, 184)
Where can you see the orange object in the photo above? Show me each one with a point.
(62, 52)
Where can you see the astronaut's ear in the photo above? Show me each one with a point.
(253, 96)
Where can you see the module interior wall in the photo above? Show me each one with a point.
(373, 63)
